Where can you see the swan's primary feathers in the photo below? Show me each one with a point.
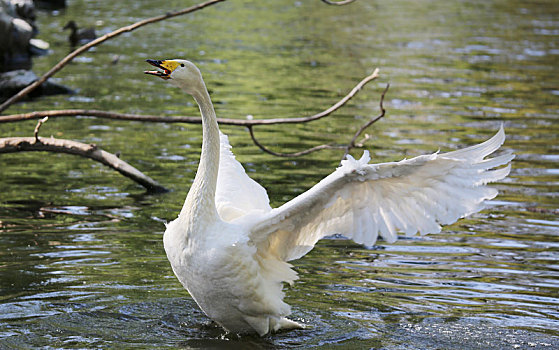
(230, 249)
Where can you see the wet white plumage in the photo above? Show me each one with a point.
(230, 249)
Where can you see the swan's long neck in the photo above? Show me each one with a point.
(199, 206)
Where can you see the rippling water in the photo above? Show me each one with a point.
(81, 258)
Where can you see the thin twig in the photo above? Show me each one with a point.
(98, 41)
(286, 155)
(347, 147)
(361, 142)
(36, 131)
(98, 114)
(369, 123)
(186, 119)
(22, 144)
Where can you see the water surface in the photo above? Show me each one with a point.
(81, 258)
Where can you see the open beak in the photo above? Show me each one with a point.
(165, 68)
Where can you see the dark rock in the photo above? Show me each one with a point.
(14, 81)
(17, 28)
(50, 4)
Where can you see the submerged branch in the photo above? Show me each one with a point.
(98, 41)
(24, 144)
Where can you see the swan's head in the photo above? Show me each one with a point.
(181, 73)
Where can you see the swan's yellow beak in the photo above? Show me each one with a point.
(166, 67)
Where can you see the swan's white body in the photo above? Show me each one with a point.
(230, 249)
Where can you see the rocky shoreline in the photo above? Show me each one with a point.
(18, 45)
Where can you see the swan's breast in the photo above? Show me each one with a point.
(211, 263)
(226, 276)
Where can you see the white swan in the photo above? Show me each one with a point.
(230, 249)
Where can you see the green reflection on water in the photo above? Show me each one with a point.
(81, 245)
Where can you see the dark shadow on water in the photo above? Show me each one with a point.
(224, 344)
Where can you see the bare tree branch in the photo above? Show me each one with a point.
(197, 120)
(98, 41)
(352, 144)
(98, 114)
(186, 119)
(369, 123)
(295, 154)
(23, 144)
(35, 143)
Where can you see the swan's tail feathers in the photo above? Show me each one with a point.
(268, 324)
(284, 324)
(477, 152)
(259, 323)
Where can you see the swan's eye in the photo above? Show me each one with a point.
(182, 64)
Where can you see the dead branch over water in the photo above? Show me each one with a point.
(116, 33)
(91, 151)
(352, 144)
(187, 119)
(35, 143)
(98, 41)
(249, 124)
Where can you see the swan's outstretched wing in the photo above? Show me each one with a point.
(361, 201)
(236, 193)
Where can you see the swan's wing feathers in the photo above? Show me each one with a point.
(236, 193)
(362, 201)
(477, 152)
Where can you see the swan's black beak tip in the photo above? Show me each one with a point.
(162, 72)
(156, 63)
